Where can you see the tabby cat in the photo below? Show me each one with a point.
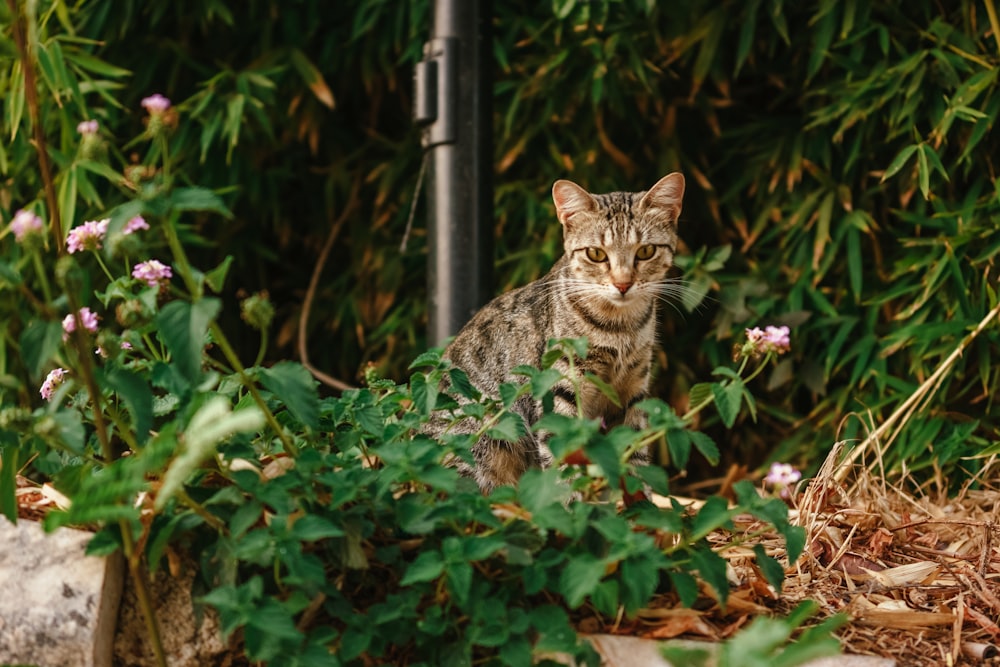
(617, 250)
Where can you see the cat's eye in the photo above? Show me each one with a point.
(596, 255)
(645, 251)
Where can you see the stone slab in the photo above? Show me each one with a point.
(58, 606)
(624, 651)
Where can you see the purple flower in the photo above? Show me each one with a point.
(87, 127)
(155, 104)
(52, 381)
(153, 272)
(134, 225)
(25, 224)
(88, 318)
(87, 236)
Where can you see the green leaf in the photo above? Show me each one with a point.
(899, 162)
(686, 587)
(40, 341)
(427, 567)
(705, 446)
(747, 31)
(854, 261)
(182, 327)
(563, 8)
(923, 171)
(134, 390)
(679, 447)
(312, 527)
(96, 65)
(656, 477)
(543, 381)
(579, 578)
(661, 416)
(795, 541)
(459, 576)
(639, 578)
(8, 479)
(212, 423)
(71, 430)
(460, 383)
(510, 427)
(554, 629)
(197, 199)
(699, 393)
(296, 388)
(538, 489)
(605, 388)
(216, 278)
(712, 568)
(424, 392)
(772, 570)
(713, 514)
(727, 400)
(428, 358)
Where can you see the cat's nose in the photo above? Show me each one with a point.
(623, 287)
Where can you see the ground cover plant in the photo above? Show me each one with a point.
(846, 188)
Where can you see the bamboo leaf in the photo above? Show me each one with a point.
(899, 162)
(312, 77)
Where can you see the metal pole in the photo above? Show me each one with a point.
(453, 93)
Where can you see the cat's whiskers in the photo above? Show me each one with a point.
(672, 291)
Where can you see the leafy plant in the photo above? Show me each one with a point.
(767, 641)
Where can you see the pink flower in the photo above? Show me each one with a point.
(770, 339)
(153, 272)
(155, 104)
(25, 224)
(88, 317)
(87, 236)
(52, 381)
(134, 225)
(782, 476)
(87, 127)
(124, 345)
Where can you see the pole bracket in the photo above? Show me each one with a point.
(435, 91)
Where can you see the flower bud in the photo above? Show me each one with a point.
(257, 310)
(133, 314)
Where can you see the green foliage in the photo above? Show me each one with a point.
(767, 641)
(839, 160)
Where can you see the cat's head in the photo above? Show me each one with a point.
(620, 244)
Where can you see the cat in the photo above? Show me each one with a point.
(618, 248)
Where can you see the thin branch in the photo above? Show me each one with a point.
(307, 302)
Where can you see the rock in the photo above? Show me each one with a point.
(58, 606)
(191, 636)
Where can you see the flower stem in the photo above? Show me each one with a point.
(234, 361)
(43, 277)
(104, 267)
(263, 347)
(31, 98)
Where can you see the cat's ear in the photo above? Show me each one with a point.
(666, 195)
(571, 199)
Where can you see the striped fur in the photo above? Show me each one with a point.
(602, 289)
